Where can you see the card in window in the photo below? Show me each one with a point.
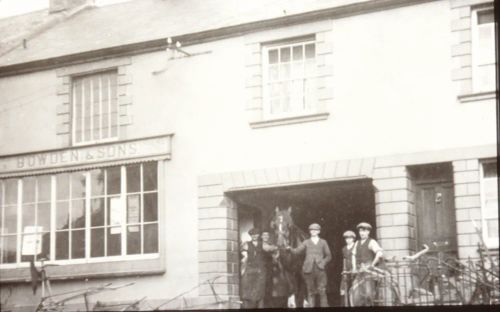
(133, 212)
(32, 241)
(116, 214)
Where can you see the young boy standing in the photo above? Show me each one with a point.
(347, 252)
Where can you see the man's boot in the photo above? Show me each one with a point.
(311, 299)
(323, 299)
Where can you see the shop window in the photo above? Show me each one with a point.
(489, 203)
(94, 108)
(80, 216)
(289, 81)
(483, 50)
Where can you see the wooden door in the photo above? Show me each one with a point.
(436, 216)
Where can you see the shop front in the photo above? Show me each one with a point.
(94, 211)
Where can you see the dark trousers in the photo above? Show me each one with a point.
(316, 282)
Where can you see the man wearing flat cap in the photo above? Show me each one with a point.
(317, 256)
(347, 252)
(253, 279)
(366, 255)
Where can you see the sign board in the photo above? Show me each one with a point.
(85, 155)
(133, 212)
(32, 241)
(116, 214)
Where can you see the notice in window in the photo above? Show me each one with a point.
(116, 214)
(133, 210)
(32, 241)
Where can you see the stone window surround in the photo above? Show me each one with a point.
(64, 76)
(461, 50)
(322, 31)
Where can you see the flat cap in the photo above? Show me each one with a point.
(254, 231)
(315, 226)
(349, 234)
(364, 225)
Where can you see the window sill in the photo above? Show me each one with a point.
(288, 120)
(479, 96)
(89, 270)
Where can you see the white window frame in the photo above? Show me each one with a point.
(476, 61)
(490, 242)
(87, 259)
(267, 115)
(73, 114)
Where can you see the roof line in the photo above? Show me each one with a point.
(53, 20)
(205, 36)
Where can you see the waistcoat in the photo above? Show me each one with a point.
(363, 254)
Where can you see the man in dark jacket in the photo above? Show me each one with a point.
(317, 256)
(253, 279)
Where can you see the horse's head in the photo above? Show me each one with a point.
(282, 224)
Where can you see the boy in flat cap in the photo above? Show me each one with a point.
(366, 254)
(317, 256)
(253, 279)
(347, 252)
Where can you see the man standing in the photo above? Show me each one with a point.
(253, 279)
(317, 256)
(347, 277)
(366, 254)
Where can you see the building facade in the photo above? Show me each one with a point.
(124, 159)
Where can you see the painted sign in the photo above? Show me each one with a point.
(87, 155)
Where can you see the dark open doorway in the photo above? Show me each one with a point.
(337, 206)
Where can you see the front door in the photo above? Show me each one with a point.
(436, 217)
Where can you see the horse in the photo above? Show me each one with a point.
(286, 233)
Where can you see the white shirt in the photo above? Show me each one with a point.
(315, 240)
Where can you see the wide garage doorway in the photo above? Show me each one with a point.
(337, 206)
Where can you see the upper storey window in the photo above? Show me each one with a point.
(94, 108)
(483, 53)
(289, 78)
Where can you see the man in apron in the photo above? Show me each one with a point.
(366, 254)
(253, 279)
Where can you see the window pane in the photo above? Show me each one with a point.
(62, 215)
(44, 187)
(10, 225)
(285, 54)
(114, 241)
(9, 247)
(310, 50)
(115, 210)
(273, 73)
(97, 208)
(78, 244)
(29, 190)
(490, 169)
(492, 225)
(150, 238)
(62, 181)
(78, 213)
(62, 245)
(133, 209)
(150, 207)
(298, 53)
(485, 17)
(10, 192)
(273, 56)
(45, 254)
(113, 180)
(77, 108)
(133, 178)
(150, 176)
(78, 185)
(44, 216)
(133, 239)
(97, 242)
(97, 182)
(28, 216)
(284, 71)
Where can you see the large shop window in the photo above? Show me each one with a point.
(489, 202)
(483, 50)
(289, 78)
(95, 108)
(80, 216)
